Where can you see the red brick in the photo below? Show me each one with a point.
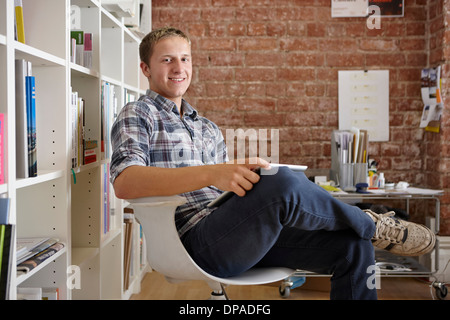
(192, 15)
(295, 74)
(264, 119)
(344, 60)
(218, 14)
(255, 14)
(256, 105)
(226, 59)
(236, 29)
(316, 30)
(256, 29)
(252, 44)
(219, 74)
(255, 74)
(378, 45)
(264, 59)
(305, 59)
(217, 44)
(292, 44)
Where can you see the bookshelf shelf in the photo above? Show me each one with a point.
(81, 71)
(73, 203)
(43, 176)
(36, 56)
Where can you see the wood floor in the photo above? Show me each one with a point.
(154, 287)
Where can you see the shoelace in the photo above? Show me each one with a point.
(388, 230)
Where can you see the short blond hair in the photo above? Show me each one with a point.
(150, 40)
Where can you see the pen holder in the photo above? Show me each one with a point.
(360, 173)
(346, 175)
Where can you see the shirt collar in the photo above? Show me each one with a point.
(170, 106)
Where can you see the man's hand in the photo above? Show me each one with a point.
(238, 176)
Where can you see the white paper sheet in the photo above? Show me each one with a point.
(364, 102)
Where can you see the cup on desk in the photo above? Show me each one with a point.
(360, 173)
(346, 176)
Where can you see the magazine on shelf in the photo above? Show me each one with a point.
(37, 259)
(29, 247)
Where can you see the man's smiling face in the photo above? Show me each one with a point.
(170, 69)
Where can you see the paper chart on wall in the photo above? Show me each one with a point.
(364, 102)
(349, 8)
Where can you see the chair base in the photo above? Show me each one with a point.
(219, 294)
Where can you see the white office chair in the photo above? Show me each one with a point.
(167, 255)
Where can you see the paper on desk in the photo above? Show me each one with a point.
(410, 190)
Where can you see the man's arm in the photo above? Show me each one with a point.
(142, 181)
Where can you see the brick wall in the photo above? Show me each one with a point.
(274, 64)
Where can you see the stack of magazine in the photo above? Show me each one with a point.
(33, 251)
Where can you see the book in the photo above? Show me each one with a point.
(39, 258)
(74, 119)
(30, 83)
(23, 69)
(2, 239)
(90, 153)
(108, 107)
(78, 50)
(106, 199)
(128, 236)
(73, 49)
(2, 148)
(19, 24)
(4, 210)
(78, 129)
(6, 258)
(87, 54)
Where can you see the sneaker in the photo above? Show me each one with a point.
(401, 237)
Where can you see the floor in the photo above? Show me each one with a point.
(154, 287)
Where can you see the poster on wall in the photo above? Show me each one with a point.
(389, 8)
(349, 8)
(431, 98)
(360, 8)
(364, 102)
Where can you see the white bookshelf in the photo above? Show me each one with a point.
(63, 202)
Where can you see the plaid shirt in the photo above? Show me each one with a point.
(150, 132)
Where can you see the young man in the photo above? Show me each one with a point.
(161, 146)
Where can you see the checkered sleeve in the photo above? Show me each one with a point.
(129, 138)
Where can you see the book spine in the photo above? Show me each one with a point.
(79, 46)
(2, 238)
(2, 148)
(6, 261)
(21, 71)
(20, 28)
(87, 58)
(31, 121)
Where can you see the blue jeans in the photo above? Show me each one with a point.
(286, 220)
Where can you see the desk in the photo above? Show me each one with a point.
(413, 268)
(407, 195)
(390, 265)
